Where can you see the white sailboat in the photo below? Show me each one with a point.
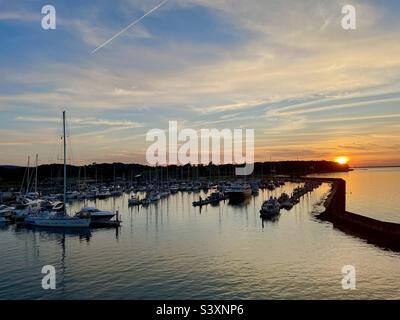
(54, 218)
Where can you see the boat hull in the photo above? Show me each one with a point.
(240, 195)
(101, 216)
(58, 222)
(266, 213)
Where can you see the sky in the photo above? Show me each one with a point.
(287, 69)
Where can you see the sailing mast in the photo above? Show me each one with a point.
(36, 173)
(65, 165)
(28, 178)
(23, 179)
(64, 220)
(115, 179)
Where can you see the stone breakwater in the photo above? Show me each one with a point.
(375, 231)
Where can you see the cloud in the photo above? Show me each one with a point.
(292, 72)
(358, 118)
(230, 107)
(82, 121)
(20, 16)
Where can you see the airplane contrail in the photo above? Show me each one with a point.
(129, 26)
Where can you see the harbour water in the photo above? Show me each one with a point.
(172, 250)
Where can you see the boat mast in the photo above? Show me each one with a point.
(36, 173)
(23, 179)
(28, 178)
(115, 179)
(65, 164)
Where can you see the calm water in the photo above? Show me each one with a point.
(171, 250)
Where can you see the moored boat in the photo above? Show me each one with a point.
(239, 191)
(94, 214)
(154, 196)
(5, 213)
(134, 201)
(285, 201)
(58, 219)
(270, 207)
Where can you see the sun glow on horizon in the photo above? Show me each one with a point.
(342, 160)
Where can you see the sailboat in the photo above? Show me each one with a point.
(54, 218)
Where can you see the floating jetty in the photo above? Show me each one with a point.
(299, 192)
(211, 200)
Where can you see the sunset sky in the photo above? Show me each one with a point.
(286, 69)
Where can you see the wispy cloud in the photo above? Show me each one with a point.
(229, 107)
(82, 121)
(285, 68)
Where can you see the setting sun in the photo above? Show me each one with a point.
(342, 160)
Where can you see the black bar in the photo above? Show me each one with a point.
(201, 309)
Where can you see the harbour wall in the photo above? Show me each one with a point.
(386, 233)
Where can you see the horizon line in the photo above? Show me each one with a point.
(203, 164)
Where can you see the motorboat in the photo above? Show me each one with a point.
(270, 207)
(239, 191)
(72, 195)
(95, 214)
(288, 204)
(145, 201)
(154, 196)
(283, 197)
(116, 192)
(164, 193)
(216, 197)
(54, 219)
(103, 193)
(285, 201)
(133, 201)
(92, 193)
(270, 185)
(255, 189)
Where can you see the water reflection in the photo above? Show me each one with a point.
(54, 233)
(272, 220)
(172, 250)
(239, 203)
(4, 225)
